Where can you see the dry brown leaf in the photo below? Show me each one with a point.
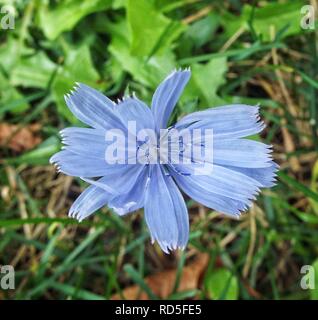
(162, 283)
(19, 139)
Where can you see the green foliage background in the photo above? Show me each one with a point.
(239, 52)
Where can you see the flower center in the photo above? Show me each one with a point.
(148, 152)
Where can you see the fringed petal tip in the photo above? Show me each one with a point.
(270, 182)
(243, 208)
(55, 161)
(179, 70)
(77, 215)
(75, 211)
(72, 213)
(166, 213)
(79, 88)
(167, 95)
(91, 107)
(167, 247)
(89, 201)
(126, 97)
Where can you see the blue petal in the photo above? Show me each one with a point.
(119, 179)
(241, 153)
(227, 122)
(88, 202)
(132, 109)
(203, 195)
(165, 211)
(76, 165)
(167, 95)
(84, 141)
(225, 182)
(132, 200)
(265, 176)
(122, 189)
(97, 97)
(92, 108)
(88, 142)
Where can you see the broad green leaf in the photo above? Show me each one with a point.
(10, 95)
(151, 30)
(232, 23)
(117, 4)
(78, 67)
(222, 284)
(35, 71)
(9, 53)
(198, 34)
(204, 83)
(66, 14)
(276, 16)
(148, 72)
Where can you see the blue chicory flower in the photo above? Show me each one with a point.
(240, 166)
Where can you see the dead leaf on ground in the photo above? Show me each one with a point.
(162, 283)
(19, 139)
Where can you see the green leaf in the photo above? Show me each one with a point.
(277, 16)
(151, 30)
(273, 15)
(198, 34)
(10, 95)
(65, 15)
(148, 72)
(118, 4)
(9, 53)
(205, 81)
(35, 71)
(222, 284)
